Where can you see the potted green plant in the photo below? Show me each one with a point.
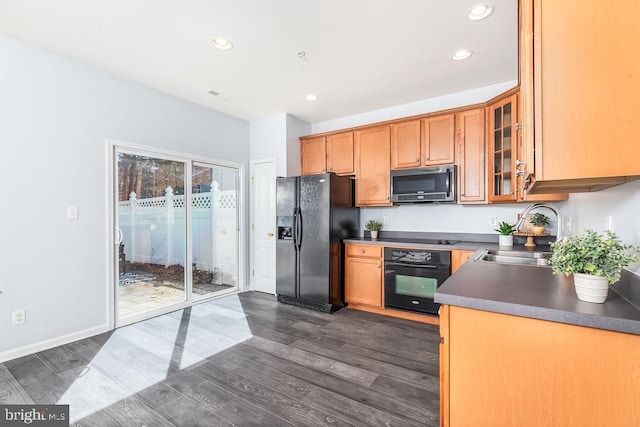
(506, 233)
(539, 222)
(594, 260)
(373, 225)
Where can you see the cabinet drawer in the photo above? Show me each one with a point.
(370, 251)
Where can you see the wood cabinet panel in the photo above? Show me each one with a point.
(406, 145)
(459, 257)
(340, 153)
(373, 168)
(313, 154)
(470, 140)
(370, 251)
(438, 140)
(584, 87)
(363, 276)
(499, 369)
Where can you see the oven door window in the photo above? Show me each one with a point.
(413, 286)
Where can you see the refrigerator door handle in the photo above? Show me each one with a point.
(295, 228)
(298, 229)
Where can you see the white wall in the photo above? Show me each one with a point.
(591, 210)
(267, 139)
(295, 129)
(55, 115)
(454, 100)
(277, 136)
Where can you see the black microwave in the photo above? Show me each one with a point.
(433, 184)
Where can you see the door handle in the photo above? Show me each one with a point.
(119, 237)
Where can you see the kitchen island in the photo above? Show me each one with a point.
(519, 348)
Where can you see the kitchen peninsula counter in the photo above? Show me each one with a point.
(534, 292)
(519, 348)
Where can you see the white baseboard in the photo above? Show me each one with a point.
(54, 342)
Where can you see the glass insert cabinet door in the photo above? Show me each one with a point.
(503, 149)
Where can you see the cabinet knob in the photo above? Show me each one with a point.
(520, 163)
(378, 266)
(417, 159)
(462, 194)
(361, 251)
(426, 159)
(511, 192)
(270, 234)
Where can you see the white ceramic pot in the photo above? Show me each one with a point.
(591, 288)
(505, 240)
(374, 234)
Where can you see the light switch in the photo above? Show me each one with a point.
(72, 212)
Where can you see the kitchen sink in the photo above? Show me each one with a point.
(515, 257)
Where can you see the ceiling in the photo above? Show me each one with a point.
(360, 55)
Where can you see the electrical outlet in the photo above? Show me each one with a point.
(566, 225)
(608, 226)
(72, 212)
(385, 220)
(19, 317)
(493, 221)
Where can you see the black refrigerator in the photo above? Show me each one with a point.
(314, 213)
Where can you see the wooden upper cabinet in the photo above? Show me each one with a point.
(470, 140)
(438, 140)
(406, 145)
(340, 153)
(373, 167)
(582, 88)
(313, 154)
(503, 149)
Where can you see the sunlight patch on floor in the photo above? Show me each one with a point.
(168, 344)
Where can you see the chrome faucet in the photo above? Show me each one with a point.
(524, 214)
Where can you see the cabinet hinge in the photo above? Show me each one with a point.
(253, 272)
(253, 226)
(441, 340)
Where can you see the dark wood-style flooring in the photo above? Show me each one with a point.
(240, 360)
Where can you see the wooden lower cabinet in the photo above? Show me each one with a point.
(504, 370)
(459, 257)
(363, 277)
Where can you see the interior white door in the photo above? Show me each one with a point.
(263, 226)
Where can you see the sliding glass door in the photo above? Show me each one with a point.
(214, 229)
(177, 232)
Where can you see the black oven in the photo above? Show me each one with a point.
(411, 277)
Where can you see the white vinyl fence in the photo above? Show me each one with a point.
(154, 231)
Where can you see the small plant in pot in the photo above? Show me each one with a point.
(506, 233)
(594, 260)
(374, 226)
(539, 222)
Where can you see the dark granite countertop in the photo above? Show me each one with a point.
(535, 292)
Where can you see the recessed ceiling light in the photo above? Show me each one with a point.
(461, 54)
(480, 11)
(311, 97)
(221, 43)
